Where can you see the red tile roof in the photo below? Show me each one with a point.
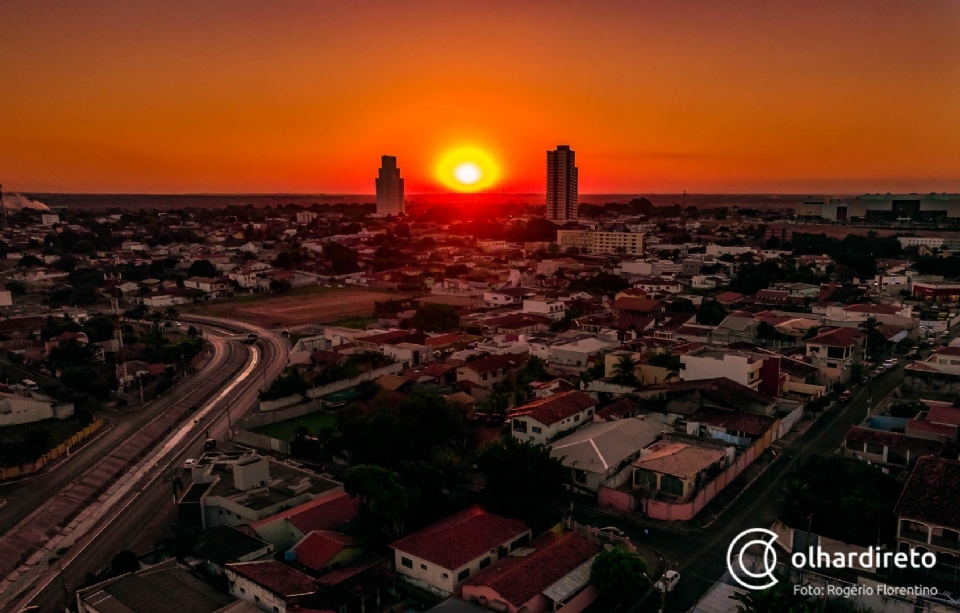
(637, 305)
(276, 577)
(756, 425)
(944, 415)
(320, 546)
(324, 512)
(495, 362)
(930, 494)
(556, 408)
(460, 538)
(518, 580)
(837, 337)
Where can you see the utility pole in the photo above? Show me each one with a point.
(118, 333)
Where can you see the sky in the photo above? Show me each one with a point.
(814, 96)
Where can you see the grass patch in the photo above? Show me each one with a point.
(286, 430)
(26, 442)
(357, 323)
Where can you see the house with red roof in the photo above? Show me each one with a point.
(834, 351)
(544, 418)
(928, 515)
(268, 584)
(554, 576)
(443, 555)
(482, 375)
(325, 512)
(323, 550)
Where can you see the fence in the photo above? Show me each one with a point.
(261, 441)
(63, 448)
(627, 500)
(256, 420)
(788, 421)
(336, 386)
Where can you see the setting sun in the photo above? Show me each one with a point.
(467, 169)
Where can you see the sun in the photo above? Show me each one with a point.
(467, 169)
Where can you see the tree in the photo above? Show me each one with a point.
(172, 313)
(436, 318)
(624, 371)
(280, 285)
(711, 313)
(384, 502)
(523, 481)
(620, 575)
(202, 268)
(123, 563)
(870, 326)
(17, 288)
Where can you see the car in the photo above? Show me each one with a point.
(944, 335)
(210, 443)
(891, 363)
(944, 597)
(914, 355)
(669, 581)
(612, 530)
(877, 372)
(190, 463)
(178, 324)
(845, 396)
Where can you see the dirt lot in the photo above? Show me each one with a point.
(307, 305)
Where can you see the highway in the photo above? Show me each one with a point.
(95, 528)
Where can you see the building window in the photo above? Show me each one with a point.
(243, 591)
(671, 485)
(406, 562)
(485, 562)
(875, 448)
(462, 576)
(519, 425)
(576, 417)
(256, 599)
(537, 430)
(423, 567)
(446, 576)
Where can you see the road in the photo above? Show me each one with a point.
(146, 491)
(699, 554)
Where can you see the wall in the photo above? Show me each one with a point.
(261, 441)
(625, 500)
(61, 449)
(336, 386)
(788, 421)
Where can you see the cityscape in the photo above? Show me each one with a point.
(310, 307)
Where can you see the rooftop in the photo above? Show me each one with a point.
(678, 459)
(460, 538)
(930, 494)
(553, 409)
(158, 589)
(599, 446)
(276, 577)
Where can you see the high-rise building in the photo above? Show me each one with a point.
(561, 185)
(389, 188)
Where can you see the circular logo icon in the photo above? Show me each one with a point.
(745, 576)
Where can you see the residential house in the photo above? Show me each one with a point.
(215, 288)
(646, 307)
(552, 576)
(219, 546)
(269, 585)
(928, 515)
(545, 418)
(710, 362)
(443, 555)
(481, 376)
(323, 550)
(162, 587)
(676, 470)
(734, 427)
(885, 447)
(599, 450)
(323, 513)
(834, 352)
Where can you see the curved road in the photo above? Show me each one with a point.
(115, 520)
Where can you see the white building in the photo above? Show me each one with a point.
(600, 241)
(544, 419)
(49, 219)
(17, 409)
(443, 555)
(306, 217)
(709, 363)
(554, 309)
(390, 199)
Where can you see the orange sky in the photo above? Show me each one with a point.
(810, 96)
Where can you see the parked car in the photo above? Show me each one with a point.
(612, 530)
(945, 597)
(210, 443)
(891, 363)
(190, 463)
(669, 581)
(845, 396)
(877, 372)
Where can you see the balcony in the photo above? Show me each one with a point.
(945, 542)
(912, 534)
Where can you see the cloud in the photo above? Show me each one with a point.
(16, 202)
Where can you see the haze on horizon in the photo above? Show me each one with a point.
(304, 96)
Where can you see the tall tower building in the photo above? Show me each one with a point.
(389, 188)
(561, 185)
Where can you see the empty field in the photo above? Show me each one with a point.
(286, 430)
(307, 305)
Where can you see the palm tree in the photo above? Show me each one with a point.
(624, 371)
(869, 326)
(172, 313)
